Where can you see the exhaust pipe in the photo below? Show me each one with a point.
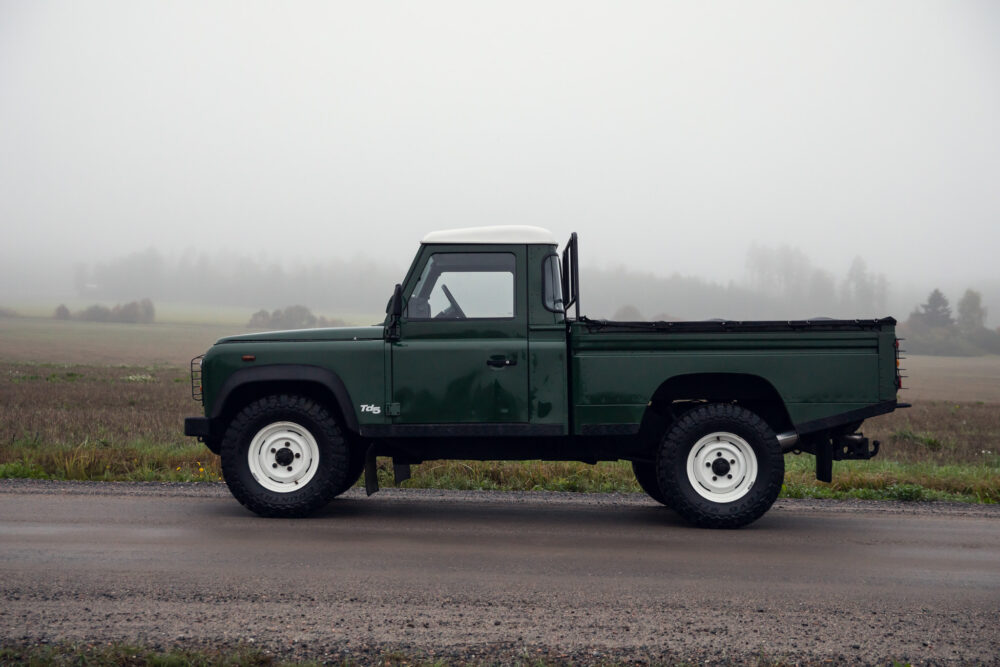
(787, 441)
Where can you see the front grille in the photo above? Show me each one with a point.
(196, 392)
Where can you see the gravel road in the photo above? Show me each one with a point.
(498, 577)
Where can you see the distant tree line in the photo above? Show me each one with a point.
(356, 286)
(780, 283)
(931, 329)
(133, 312)
(290, 317)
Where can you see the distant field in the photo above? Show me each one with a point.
(70, 342)
(951, 379)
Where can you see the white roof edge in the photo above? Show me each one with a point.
(498, 234)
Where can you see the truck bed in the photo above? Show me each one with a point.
(824, 372)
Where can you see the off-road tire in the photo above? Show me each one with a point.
(645, 474)
(725, 419)
(332, 464)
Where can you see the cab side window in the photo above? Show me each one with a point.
(464, 286)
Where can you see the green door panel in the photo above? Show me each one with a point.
(448, 381)
(453, 367)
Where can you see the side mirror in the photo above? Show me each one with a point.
(397, 301)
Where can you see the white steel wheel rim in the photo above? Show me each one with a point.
(722, 467)
(283, 457)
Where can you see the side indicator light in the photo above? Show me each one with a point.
(249, 357)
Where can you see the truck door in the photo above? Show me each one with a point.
(461, 357)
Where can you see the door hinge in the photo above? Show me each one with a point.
(392, 410)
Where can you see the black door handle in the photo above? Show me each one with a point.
(501, 362)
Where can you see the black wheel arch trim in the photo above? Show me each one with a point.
(289, 373)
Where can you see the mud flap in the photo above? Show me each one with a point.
(824, 461)
(371, 472)
(400, 471)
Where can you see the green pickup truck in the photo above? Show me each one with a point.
(479, 357)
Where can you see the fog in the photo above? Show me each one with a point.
(674, 138)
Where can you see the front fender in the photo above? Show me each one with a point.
(288, 373)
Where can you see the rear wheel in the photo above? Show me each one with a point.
(720, 466)
(645, 474)
(284, 456)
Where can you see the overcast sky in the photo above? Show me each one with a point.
(672, 136)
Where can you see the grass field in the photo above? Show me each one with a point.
(95, 401)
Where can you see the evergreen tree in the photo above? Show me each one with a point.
(936, 312)
(971, 314)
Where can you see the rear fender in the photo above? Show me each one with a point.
(681, 392)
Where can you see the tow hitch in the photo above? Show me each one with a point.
(828, 449)
(841, 448)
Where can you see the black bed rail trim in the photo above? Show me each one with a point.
(827, 423)
(734, 326)
(460, 430)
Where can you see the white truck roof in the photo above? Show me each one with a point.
(498, 234)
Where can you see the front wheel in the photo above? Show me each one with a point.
(284, 456)
(720, 466)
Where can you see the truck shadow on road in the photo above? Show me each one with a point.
(492, 515)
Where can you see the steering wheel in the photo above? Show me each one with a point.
(459, 313)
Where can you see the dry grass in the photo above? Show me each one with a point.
(99, 422)
(960, 379)
(939, 432)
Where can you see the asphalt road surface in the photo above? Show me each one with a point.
(488, 576)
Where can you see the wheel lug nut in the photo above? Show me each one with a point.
(714, 478)
(298, 456)
(733, 461)
(729, 476)
(273, 450)
(274, 465)
(708, 465)
(718, 454)
(289, 468)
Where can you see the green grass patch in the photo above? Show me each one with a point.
(101, 460)
(607, 477)
(892, 480)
